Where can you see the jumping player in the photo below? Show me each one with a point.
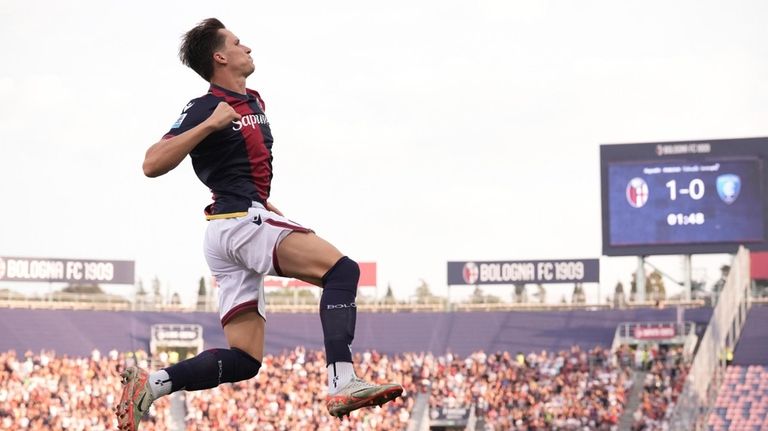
(228, 138)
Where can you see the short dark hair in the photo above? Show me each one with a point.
(199, 44)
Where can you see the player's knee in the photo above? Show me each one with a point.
(344, 274)
(247, 366)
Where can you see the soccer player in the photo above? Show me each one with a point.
(226, 134)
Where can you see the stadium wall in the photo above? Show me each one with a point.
(752, 348)
(76, 332)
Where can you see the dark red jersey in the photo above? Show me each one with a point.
(235, 162)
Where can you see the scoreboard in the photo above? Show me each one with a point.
(684, 197)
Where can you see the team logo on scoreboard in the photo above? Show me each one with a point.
(728, 187)
(2, 268)
(470, 273)
(637, 192)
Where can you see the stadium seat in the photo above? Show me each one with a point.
(742, 403)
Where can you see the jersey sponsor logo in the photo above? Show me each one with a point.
(178, 122)
(728, 187)
(637, 192)
(250, 120)
(189, 105)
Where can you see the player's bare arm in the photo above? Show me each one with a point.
(166, 154)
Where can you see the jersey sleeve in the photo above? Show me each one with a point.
(194, 113)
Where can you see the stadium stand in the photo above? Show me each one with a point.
(715, 349)
(459, 365)
(571, 389)
(48, 392)
(752, 348)
(742, 403)
(662, 384)
(494, 387)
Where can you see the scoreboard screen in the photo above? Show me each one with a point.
(684, 197)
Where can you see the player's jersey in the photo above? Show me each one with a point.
(235, 162)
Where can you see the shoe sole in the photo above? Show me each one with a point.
(376, 400)
(124, 409)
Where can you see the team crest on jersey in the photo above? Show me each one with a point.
(728, 187)
(637, 192)
(178, 122)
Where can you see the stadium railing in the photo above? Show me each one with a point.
(708, 367)
(684, 333)
(420, 414)
(79, 301)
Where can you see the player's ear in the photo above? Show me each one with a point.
(219, 58)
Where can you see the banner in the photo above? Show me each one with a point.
(165, 332)
(454, 417)
(524, 271)
(657, 332)
(367, 278)
(759, 265)
(52, 270)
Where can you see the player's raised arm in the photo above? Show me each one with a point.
(167, 153)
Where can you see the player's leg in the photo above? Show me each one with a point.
(241, 304)
(241, 307)
(204, 371)
(245, 335)
(308, 257)
(245, 332)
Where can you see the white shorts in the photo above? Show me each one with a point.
(240, 251)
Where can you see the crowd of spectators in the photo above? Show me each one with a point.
(570, 390)
(45, 392)
(666, 370)
(289, 394)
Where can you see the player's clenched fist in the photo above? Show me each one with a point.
(223, 115)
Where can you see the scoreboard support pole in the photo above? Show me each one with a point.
(640, 279)
(687, 268)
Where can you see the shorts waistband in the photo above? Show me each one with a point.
(254, 204)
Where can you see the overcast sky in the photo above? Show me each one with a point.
(406, 132)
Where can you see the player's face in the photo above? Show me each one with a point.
(238, 56)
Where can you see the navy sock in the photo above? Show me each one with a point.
(338, 311)
(212, 368)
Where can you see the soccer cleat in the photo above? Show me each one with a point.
(135, 399)
(357, 394)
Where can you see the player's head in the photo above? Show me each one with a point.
(210, 48)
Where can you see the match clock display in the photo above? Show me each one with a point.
(678, 203)
(690, 198)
